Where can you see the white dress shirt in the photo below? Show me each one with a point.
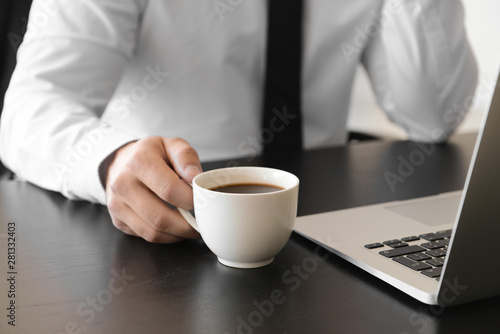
(93, 75)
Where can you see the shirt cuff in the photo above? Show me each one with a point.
(82, 180)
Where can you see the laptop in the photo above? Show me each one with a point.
(443, 249)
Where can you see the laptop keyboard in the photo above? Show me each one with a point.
(424, 253)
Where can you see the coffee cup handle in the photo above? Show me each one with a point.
(189, 218)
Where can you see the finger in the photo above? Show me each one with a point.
(183, 157)
(116, 210)
(159, 216)
(136, 226)
(120, 225)
(152, 170)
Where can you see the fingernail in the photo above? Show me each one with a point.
(192, 170)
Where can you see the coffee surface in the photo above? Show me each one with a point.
(247, 188)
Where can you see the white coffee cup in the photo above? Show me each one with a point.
(244, 230)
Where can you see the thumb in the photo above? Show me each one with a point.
(190, 171)
(183, 157)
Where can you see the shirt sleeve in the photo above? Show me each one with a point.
(72, 57)
(421, 66)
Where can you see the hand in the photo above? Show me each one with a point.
(141, 178)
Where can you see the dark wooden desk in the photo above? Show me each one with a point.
(75, 273)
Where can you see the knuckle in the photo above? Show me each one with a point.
(118, 224)
(158, 223)
(152, 236)
(118, 185)
(167, 192)
(181, 146)
(114, 209)
(136, 159)
(187, 151)
(112, 205)
(150, 140)
(176, 141)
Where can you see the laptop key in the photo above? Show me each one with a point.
(436, 252)
(419, 256)
(374, 245)
(431, 236)
(410, 239)
(400, 244)
(445, 242)
(390, 242)
(437, 262)
(432, 245)
(445, 233)
(402, 251)
(411, 264)
(433, 273)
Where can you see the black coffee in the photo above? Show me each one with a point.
(247, 188)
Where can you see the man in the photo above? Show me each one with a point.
(116, 101)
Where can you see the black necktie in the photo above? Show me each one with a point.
(281, 127)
